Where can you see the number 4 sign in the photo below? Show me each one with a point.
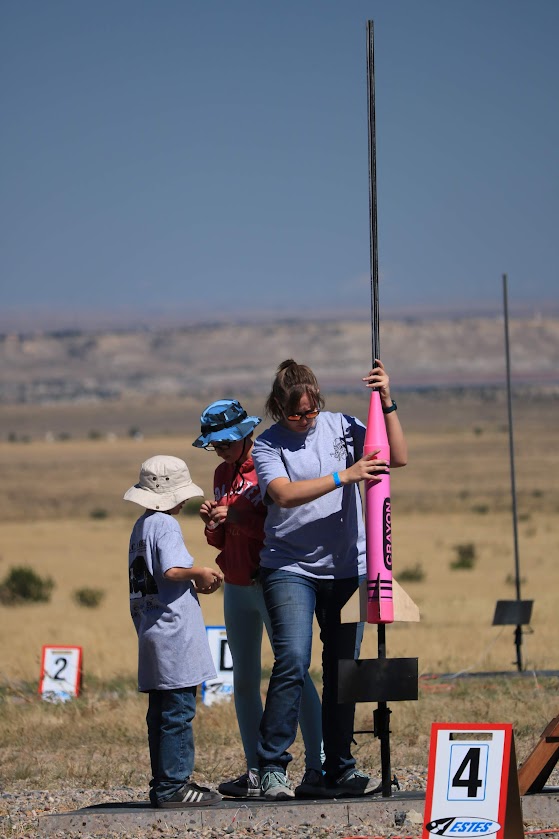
(472, 782)
(61, 673)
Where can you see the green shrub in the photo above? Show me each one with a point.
(23, 585)
(413, 574)
(89, 597)
(480, 509)
(99, 513)
(465, 556)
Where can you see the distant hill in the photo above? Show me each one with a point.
(241, 358)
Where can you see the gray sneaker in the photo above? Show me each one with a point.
(245, 786)
(275, 786)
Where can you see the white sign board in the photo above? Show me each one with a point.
(472, 782)
(61, 673)
(221, 688)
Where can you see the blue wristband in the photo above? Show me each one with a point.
(337, 482)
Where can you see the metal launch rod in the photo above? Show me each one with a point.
(381, 715)
(373, 231)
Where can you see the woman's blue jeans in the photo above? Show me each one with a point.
(245, 615)
(171, 740)
(292, 600)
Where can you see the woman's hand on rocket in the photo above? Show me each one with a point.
(378, 378)
(366, 469)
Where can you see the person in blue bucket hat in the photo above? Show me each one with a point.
(225, 421)
(234, 524)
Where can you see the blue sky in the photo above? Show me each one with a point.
(205, 159)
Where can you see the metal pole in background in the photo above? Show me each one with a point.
(518, 630)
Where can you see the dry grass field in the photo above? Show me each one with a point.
(63, 517)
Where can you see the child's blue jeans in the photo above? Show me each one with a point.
(171, 740)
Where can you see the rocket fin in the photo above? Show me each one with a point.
(355, 610)
(405, 610)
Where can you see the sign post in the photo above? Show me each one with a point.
(220, 688)
(472, 782)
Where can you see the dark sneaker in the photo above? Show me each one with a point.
(312, 785)
(352, 782)
(275, 786)
(191, 795)
(245, 786)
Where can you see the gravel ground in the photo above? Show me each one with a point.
(21, 809)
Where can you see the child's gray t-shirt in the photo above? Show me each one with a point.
(173, 649)
(323, 538)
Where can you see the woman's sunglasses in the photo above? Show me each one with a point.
(306, 414)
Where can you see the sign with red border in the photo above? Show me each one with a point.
(472, 782)
(61, 673)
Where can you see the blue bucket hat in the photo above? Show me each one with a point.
(224, 421)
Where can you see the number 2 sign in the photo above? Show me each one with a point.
(61, 673)
(472, 782)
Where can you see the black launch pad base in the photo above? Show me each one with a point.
(379, 680)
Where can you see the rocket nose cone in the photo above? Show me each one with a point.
(376, 428)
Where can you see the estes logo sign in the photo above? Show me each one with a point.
(456, 826)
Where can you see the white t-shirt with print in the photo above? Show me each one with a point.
(173, 649)
(323, 538)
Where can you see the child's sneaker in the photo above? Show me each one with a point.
(275, 785)
(312, 785)
(191, 795)
(245, 786)
(352, 782)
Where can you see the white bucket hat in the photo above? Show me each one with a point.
(164, 482)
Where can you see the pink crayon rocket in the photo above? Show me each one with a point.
(380, 607)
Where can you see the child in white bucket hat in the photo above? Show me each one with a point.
(173, 652)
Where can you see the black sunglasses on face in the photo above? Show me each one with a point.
(219, 447)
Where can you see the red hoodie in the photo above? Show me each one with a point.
(241, 536)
